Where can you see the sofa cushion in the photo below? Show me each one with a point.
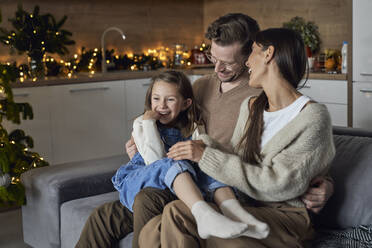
(350, 205)
(75, 213)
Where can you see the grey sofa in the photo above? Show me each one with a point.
(61, 197)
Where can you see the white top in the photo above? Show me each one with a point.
(148, 141)
(274, 121)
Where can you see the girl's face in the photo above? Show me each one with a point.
(256, 66)
(167, 101)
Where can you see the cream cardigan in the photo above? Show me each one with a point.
(148, 141)
(300, 151)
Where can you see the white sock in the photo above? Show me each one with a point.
(212, 223)
(256, 229)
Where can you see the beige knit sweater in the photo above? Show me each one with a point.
(300, 151)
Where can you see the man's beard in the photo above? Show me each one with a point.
(235, 76)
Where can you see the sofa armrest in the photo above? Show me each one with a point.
(48, 187)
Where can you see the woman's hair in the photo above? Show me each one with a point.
(290, 57)
(231, 28)
(186, 119)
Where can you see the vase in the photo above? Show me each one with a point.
(37, 67)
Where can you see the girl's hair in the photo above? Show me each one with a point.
(186, 119)
(289, 55)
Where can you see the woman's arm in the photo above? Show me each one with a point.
(147, 139)
(295, 157)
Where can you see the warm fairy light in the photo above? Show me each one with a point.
(9, 37)
(13, 34)
(34, 79)
(92, 60)
(96, 49)
(34, 31)
(25, 149)
(42, 43)
(132, 67)
(21, 79)
(12, 142)
(69, 74)
(189, 63)
(74, 67)
(7, 42)
(75, 56)
(21, 74)
(107, 61)
(51, 59)
(8, 63)
(62, 62)
(203, 45)
(117, 56)
(130, 55)
(94, 54)
(57, 33)
(31, 15)
(91, 72)
(201, 49)
(41, 158)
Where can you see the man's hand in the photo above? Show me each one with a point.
(192, 150)
(131, 148)
(151, 115)
(317, 194)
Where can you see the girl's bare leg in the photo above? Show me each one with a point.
(209, 221)
(230, 207)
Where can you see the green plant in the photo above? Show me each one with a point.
(36, 34)
(308, 30)
(15, 158)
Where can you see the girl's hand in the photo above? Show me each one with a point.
(151, 115)
(192, 150)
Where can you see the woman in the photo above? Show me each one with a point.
(282, 140)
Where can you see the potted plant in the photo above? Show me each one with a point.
(309, 33)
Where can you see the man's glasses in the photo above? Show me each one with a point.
(214, 60)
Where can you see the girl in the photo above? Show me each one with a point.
(172, 115)
(282, 141)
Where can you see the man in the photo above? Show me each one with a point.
(220, 95)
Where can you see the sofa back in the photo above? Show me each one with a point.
(351, 170)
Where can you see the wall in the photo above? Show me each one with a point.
(152, 23)
(332, 17)
(146, 23)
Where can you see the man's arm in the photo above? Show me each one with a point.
(131, 148)
(320, 190)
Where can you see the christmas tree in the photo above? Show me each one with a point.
(36, 34)
(15, 157)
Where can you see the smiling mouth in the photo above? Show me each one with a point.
(164, 112)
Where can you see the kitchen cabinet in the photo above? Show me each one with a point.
(362, 64)
(362, 105)
(193, 78)
(362, 40)
(39, 127)
(135, 93)
(88, 120)
(332, 93)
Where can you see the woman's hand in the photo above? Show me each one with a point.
(151, 115)
(192, 150)
(317, 195)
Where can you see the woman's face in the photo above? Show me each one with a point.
(256, 66)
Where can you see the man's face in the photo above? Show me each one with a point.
(228, 61)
